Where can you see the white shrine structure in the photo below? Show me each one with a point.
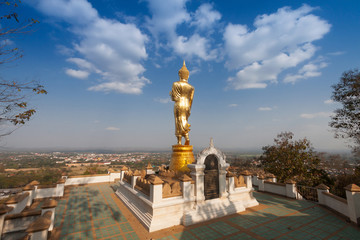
(166, 199)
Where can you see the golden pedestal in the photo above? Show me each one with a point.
(182, 156)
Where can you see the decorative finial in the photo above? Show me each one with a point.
(211, 142)
(184, 72)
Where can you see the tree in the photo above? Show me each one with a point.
(346, 121)
(14, 107)
(288, 159)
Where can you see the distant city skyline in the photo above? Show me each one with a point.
(258, 67)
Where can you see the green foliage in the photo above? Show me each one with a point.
(19, 179)
(296, 160)
(94, 169)
(346, 121)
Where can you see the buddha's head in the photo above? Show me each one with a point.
(183, 72)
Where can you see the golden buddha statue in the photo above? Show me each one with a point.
(182, 94)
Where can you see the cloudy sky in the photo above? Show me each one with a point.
(258, 68)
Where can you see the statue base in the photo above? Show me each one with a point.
(182, 156)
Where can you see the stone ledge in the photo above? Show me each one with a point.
(18, 198)
(23, 214)
(274, 183)
(335, 197)
(42, 223)
(50, 203)
(5, 209)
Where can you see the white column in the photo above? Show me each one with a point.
(231, 184)
(197, 174)
(133, 181)
(261, 183)
(353, 200)
(155, 189)
(290, 189)
(222, 181)
(320, 189)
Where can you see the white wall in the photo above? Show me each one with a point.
(18, 207)
(275, 188)
(87, 180)
(336, 203)
(18, 224)
(46, 192)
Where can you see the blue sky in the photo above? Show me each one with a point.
(258, 68)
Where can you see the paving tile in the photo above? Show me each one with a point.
(240, 236)
(205, 232)
(242, 222)
(185, 235)
(223, 228)
(91, 212)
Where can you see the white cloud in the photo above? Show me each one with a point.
(316, 115)
(162, 100)
(205, 17)
(308, 70)
(112, 129)
(232, 105)
(194, 46)
(167, 17)
(63, 50)
(77, 73)
(112, 49)
(279, 41)
(264, 108)
(329, 101)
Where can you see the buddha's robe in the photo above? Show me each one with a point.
(182, 94)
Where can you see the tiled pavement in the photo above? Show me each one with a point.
(93, 212)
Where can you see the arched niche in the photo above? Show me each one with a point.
(211, 177)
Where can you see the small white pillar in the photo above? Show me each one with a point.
(60, 186)
(197, 174)
(261, 183)
(49, 205)
(231, 182)
(31, 190)
(155, 189)
(39, 228)
(353, 200)
(133, 181)
(320, 189)
(122, 172)
(290, 189)
(222, 180)
(247, 177)
(3, 211)
(186, 187)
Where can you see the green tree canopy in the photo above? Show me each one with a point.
(346, 121)
(292, 159)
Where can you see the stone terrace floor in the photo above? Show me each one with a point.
(95, 212)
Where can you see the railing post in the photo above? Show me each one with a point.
(353, 202)
(320, 189)
(261, 183)
(3, 211)
(122, 172)
(155, 189)
(247, 177)
(186, 187)
(231, 182)
(290, 188)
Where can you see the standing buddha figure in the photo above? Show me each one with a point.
(182, 94)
